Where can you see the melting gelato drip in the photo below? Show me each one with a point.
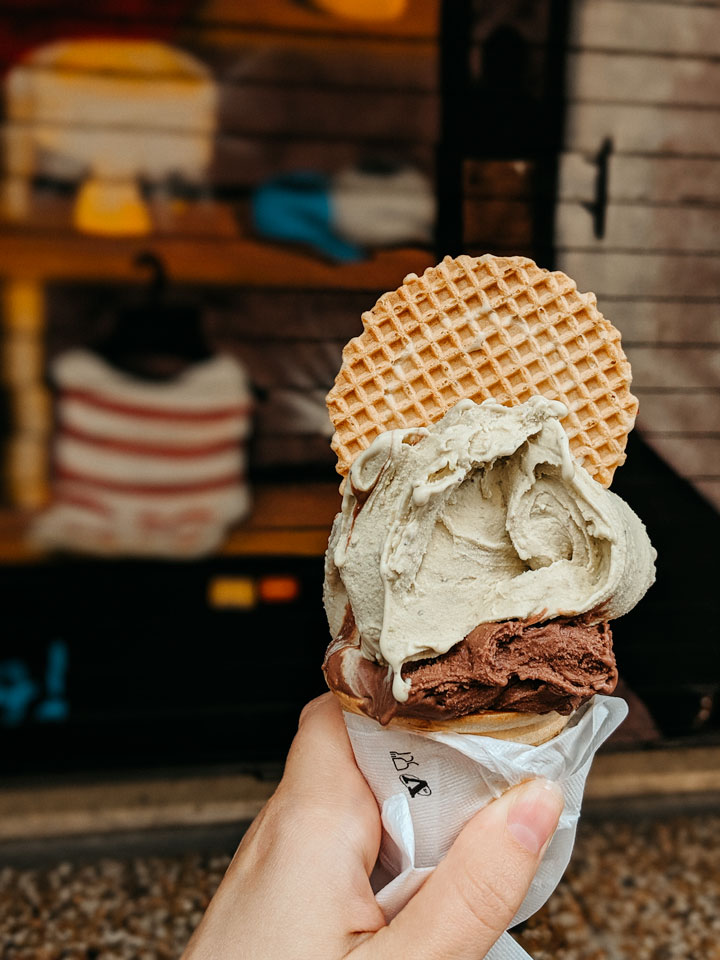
(482, 517)
(516, 665)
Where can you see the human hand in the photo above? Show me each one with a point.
(298, 887)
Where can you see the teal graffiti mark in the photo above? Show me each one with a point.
(18, 690)
(55, 707)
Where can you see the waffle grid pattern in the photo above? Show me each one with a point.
(483, 328)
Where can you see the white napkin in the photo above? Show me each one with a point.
(429, 785)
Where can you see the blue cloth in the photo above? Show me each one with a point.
(296, 208)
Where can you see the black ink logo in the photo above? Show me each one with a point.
(402, 761)
(416, 786)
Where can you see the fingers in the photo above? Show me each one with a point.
(298, 884)
(321, 739)
(323, 780)
(331, 822)
(476, 890)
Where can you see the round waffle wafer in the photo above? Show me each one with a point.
(481, 328)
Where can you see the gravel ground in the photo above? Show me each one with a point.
(643, 890)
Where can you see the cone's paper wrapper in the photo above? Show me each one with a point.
(429, 785)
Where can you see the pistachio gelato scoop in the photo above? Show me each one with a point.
(483, 516)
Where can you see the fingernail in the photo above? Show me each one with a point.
(534, 815)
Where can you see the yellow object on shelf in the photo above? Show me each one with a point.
(111, 209)
(237, 593)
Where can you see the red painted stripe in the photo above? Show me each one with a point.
(78, 500)
(151, 449)
(146, 412)
(149, 489)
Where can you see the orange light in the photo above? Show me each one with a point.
(279, 589)
(237, 593)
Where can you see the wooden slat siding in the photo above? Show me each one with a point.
(674, 131)
(672, 322)
(638, 275)
(642, 228)
(241, 163)
(692, 456)
(287, 449)
(302, 315)
(307, 111)
(621, 77)
(79, 313)
(710, 489)
(248, 161)
(646, 75)
(690, 367)
(682, 3)
(308, 93)
(296, 365)
(679, 412)
(244, 59)
(650, 180)
(303, 410)
(240, 262)
(646, 27)
(312, 111)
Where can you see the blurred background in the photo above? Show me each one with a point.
(198, 200)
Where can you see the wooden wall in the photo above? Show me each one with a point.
(298, 88)
(645, 75)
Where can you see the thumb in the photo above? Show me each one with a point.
(474, 893)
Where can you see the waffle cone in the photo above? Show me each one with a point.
(481, 328)
(530, 728)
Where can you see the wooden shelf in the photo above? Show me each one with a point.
(286, 520)
(291, 520)
(198, 259)
(418, 21)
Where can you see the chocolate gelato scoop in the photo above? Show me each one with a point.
(516, 665)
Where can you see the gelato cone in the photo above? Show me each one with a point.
(477, 556)
(529, 728)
